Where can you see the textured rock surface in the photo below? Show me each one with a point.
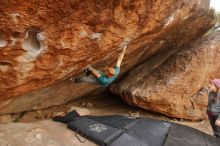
(49, 40)
(44, 42)
(172, 87)
(44, 133)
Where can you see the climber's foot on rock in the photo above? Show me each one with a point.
(87, 71)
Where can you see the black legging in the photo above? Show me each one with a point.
(216, 129)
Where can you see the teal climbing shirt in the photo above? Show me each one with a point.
(105, 80)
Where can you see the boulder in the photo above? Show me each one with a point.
(9, 118)
(173, 87)
(43, 43)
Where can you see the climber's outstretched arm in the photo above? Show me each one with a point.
(120, 58)
(94, 72)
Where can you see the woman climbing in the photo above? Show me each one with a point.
(214, 106)
(98, 77)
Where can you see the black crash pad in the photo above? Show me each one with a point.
(127, 131)
(152, 132)
(115, 130)
(95, 131)
(180, 135)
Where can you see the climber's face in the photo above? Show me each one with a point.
(212, 87)
(110, 71)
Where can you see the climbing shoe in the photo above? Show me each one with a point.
(87, 72)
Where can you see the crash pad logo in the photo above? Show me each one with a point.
(97, 128)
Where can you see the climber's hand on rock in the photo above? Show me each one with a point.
(122, 47)
(125, 47)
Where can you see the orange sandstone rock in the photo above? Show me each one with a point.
(42, 43)
(174, 87)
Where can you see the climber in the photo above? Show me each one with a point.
(97, 77)
(214, 106)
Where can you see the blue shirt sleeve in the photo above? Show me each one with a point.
(103, 80)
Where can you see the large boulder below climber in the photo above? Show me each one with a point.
(173, 87)
(43, 43)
